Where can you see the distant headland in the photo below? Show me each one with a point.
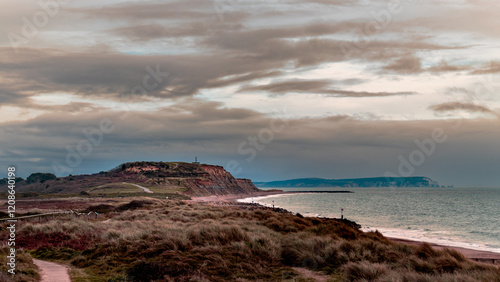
(417, 181)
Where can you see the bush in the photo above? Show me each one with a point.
(40, 177)
(135, 204)
(147, 271)
(84, 193)
(364, 271)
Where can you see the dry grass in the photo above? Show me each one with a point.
(157, 240)
(26, 271)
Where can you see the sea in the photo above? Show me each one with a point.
(457, 217)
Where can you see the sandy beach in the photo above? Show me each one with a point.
(477, 255)
(235, 198)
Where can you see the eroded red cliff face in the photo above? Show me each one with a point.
(217, 181)
(200, 180)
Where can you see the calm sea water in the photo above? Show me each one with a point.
(463, 217)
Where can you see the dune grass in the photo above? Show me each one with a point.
(160, 240)
(25, 271)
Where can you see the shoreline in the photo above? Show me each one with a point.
(476, 255)
(234, 198)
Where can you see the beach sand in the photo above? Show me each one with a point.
(235, 198)
(477, 255)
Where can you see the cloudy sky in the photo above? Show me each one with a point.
(269, 89)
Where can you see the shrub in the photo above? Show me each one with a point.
(135, 204)
(216, 234)
(425, 251)
(40, 177)
(364, 271)
(102, 208)
(147, 271)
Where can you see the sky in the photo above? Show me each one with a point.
(269, 89)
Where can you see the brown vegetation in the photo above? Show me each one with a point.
(26, 271)
(161, 240)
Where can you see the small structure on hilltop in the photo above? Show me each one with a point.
(196, 160)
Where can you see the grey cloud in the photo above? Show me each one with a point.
(274, 44)
(117, 75)
(344, 93)
(152, 10)
(492, 67)
(476, 19)
(332, 2)
(405, 65)
(353, 81)
(290, 86)
(154, 31)
(413, 65)
(443, 66)
(338, 146)
(234, 79)
(453, 106)
(249, 39)
(316, 87)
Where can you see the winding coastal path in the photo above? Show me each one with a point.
(52, 272)
(142, 187)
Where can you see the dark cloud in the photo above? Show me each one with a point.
(443, 66)
(315, 87)
(225, 48)
(333, 147)
(152, 10)
(153, 31)
(405, 65)
(454, 106)
(235, 79)
(306, 49)
(119, 75)
(353, 81)
(248, 39)
(290, 86)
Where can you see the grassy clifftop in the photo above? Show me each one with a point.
(163, 178)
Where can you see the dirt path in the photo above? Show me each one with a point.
(52, 272)
(139, 186)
